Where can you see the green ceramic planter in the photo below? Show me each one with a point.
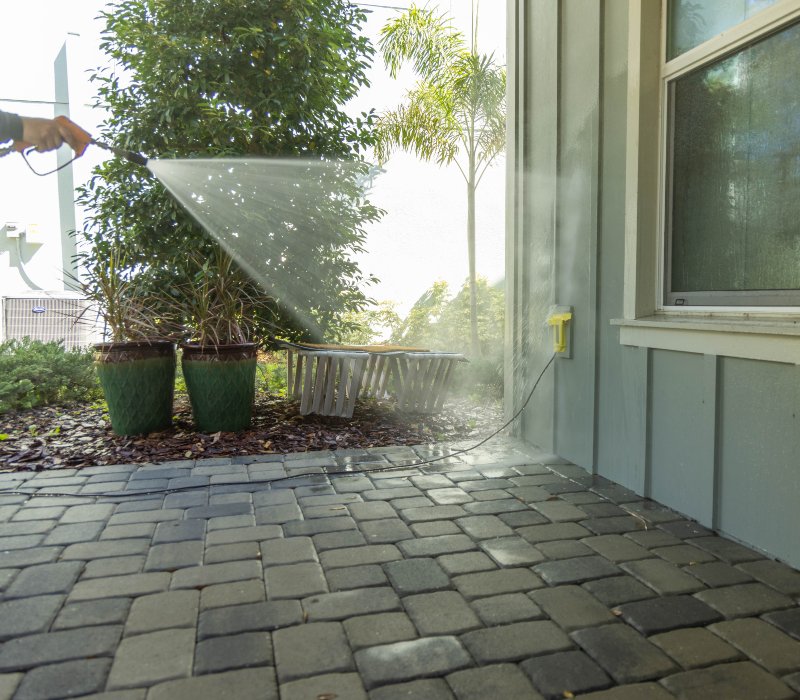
(221, 382)
(138, 380)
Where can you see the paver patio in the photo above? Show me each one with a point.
(500, 573)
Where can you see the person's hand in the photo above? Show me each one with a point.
(44, 134)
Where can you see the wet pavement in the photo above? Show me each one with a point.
(501, 573)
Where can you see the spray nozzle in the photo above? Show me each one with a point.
(559, 319)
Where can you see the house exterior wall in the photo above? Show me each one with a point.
(710, 434)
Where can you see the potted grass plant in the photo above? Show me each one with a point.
(136, 363)
(219, 359)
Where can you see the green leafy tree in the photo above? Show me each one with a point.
(211, 78)
(454, 114)
(440, 321)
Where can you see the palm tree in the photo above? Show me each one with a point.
(454, 114)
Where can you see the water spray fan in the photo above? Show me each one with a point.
(80, 140)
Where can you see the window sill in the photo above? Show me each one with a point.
(772, 339)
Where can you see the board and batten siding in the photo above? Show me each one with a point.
(713, 436)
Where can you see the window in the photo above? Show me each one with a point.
(732, 208)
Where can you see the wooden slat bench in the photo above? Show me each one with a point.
(327, 379)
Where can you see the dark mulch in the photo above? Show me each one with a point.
(80, 435)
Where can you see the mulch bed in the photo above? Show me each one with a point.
(80, 435)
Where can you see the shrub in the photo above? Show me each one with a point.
(34, 373)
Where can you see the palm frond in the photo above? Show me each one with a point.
(421, 37)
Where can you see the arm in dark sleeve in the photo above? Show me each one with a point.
(10, 127)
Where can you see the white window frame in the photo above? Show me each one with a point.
(764, 23)
(768, 333)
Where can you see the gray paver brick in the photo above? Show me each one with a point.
(289, 550)
(451, 495)
(113, 566)
(724, 549)
(330, 685)
(441, 613)
(667, 613)
(555, 531)
(383, 628)
(82, 514)
(617, 548)
(505, 609)
(179, 531)
(576, 570)
(465, 563)
(119, 586)
(717, 574)
(163, 611)
(371, 510)
(174, 555)
(244, 534)
(298, 528)
(435, 546)
(786, 620)
(344, 604)
(746, 599)
(426, 513)
(625, 655)
(246, 684)
(402, 661)
(684, 554)
(514, 642)
(8, 684)
(488, 583)
(44, 579)
(232, 652)
(664, 578)
(251, 617)
(428, 688)
(278, 515)
(512, 551)
(312, 649)
(28, 615)
(337, 540)
(369, 554)
(126, 532)
(105, 548)
(695, 647)
(573, 672)
(35, 527)
(150, 658)
(653, 538)
(572, 608)
(736, 681)
(356, 577)
(294, 580)
(51, 647)
(416, 576)
(560, 511)
(109, 611)
(216, 573)
(74, 533)
(763, 643)
(435, 528)
(145, 516)
(234, 593)
(495, 506)
(497, 681)
(775, 574)
(68, 679)
(387, 530)
(618, 589)
(241, 551)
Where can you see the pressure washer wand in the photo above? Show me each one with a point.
(79, 140)
(132, 156)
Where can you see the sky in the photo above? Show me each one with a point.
(422, 237)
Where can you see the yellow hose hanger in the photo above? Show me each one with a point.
(559, 319)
